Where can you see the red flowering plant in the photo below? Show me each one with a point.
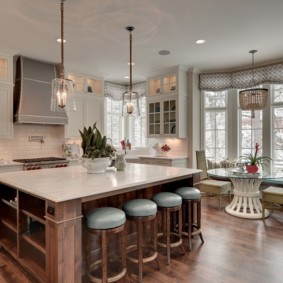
(254, 159)
(165, 148)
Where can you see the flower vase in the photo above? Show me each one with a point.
(252, 168)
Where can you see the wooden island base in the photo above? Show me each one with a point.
(44, 231)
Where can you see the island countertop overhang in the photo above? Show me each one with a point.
(64, 184)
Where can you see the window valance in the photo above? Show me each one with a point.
(115, 91)
(270, 74)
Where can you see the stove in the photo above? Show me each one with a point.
(44, 162)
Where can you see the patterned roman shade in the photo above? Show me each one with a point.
(115, 91)
(270, 74)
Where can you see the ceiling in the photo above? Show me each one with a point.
(98, 44)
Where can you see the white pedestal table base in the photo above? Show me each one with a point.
(246, 202)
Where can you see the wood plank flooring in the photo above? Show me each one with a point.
(235, 250)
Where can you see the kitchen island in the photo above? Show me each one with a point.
(42, 211)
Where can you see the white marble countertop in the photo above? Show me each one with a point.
(163, 157)
(4, 163)
(62, 184)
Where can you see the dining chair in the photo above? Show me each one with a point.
(206, 185)
(272, 198)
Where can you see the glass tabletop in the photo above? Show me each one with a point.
(237, 173)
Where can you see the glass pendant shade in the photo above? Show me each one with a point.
(62, 98)
(131, 105)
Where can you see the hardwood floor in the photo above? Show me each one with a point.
(235, 250)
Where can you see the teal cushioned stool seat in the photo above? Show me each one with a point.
(141, 211)
(169, 203)
(188, 193)
(167, 199)
(191, 216)
(105, 218)
(140, 207)
(106, 221)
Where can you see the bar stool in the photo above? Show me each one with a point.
(141, 211)
(169, 203)
(191, 222)
(105, 221)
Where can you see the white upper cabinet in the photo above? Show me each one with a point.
(6, 94)
(167, 104)
(90, 109)
(86, 84)
(89, 98)
(6, 68)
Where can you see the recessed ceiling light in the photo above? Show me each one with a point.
(132, 63)
(59, 40)
(126, 77)
(200, 41)
(164, 52)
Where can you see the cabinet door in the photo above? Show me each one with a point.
(94, 112)
(6, 68)
(6, 112)
(169, 83)
(169, 117)
(154, 118)
(75, 120)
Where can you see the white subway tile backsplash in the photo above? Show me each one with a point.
(20, 146)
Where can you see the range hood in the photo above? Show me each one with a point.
(32, 93)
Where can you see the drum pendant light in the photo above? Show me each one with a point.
(254, 98)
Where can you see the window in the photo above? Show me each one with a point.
(119, 128)
(137, 126)
(250, 132)
(215, 140)
(114, 121)
(277, 126)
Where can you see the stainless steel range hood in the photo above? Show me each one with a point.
(32, 93)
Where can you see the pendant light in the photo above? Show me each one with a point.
(130, 98)
(253, 98)
(62, 98)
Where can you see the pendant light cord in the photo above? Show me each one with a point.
(62, 71)
(253, 72)
(131, 66)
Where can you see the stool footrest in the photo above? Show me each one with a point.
(174, 244)
(113, 278)
(145, 259)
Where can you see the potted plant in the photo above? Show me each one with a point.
(253, 160)
(97, 153)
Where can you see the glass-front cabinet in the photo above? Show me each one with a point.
(162, 85)
(86, 84)
(167, 104)
(6, 94)
(162, 117)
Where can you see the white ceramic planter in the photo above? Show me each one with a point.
(97, 165)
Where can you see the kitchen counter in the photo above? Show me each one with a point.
(73, 182)
(163, 157)
(8, 165)
(58, 199)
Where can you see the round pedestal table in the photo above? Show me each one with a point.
(246, 201)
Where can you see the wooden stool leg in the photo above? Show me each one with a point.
(140, 257)
(87, 251)
(154, 229)
(167, 228)
(123, 247)
(190, 216)
(180, 225)
(199, 219)
(104, 256)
